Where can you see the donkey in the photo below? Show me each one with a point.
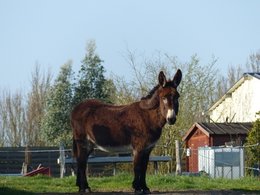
(135, 127)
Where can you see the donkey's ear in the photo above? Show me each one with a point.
(177, 78)
(162, 79)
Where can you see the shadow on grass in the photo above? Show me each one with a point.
(9, 191)
(249, 192)
(188, 192)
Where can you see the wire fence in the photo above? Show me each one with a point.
(11, 160)
(229, 162)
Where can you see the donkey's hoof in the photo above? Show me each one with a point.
(138, 192)
(146, 191)
(88, 190)
(83, 191)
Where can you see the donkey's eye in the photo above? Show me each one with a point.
(165, 101)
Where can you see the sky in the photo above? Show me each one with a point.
(52, 32)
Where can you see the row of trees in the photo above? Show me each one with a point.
(42, 116)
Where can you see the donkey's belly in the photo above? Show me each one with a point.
(116, 149)
(110, 138)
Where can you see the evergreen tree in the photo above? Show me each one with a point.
(253, 149)
(56, 122)
(91, 80)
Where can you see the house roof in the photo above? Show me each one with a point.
(246, 76)
(253, 74)
(219, 129)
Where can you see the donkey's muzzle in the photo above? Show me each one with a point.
(171, 117)
(171, 121)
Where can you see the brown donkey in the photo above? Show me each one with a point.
(135, 127)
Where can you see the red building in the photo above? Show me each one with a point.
(212, 134)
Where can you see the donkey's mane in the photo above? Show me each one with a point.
(150, 94)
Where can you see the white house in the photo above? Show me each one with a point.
(240, 103)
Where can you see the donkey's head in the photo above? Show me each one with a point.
(168, 96)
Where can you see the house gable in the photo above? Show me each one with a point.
(194, 130)
(240, 103)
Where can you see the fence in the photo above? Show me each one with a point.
(12, 159)
(222, 162)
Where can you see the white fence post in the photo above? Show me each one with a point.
(62, 161)
(178, 159)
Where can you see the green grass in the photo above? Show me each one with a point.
(122, 182)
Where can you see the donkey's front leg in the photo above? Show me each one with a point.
(141, 159)
(144, 163)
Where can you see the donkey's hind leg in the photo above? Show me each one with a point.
(84, 150)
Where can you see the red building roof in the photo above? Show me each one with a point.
(220, 129)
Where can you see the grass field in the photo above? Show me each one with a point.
(122, 182)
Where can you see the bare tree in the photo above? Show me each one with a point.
(234, 74)
(20, 116)
(196, 89)
(12, 117)
(253, 64)
(35, 107)
(221, 87)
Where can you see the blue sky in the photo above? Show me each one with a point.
(51, 32)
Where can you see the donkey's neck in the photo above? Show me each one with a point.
(151, 105)
(150, 102)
